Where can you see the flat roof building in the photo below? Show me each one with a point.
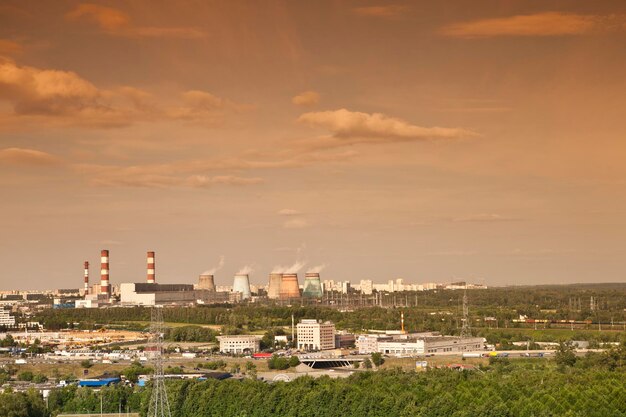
(239, 344)
(312, 335)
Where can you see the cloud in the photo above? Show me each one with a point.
(27, 157)
(149, 177)
(117, 23)
(288, 212)
(539, 24)
(483, 218)
(70, 99)
(203, 181)
(349, 127)
(8, 47)
(296, 223)
(306, 98)
(387, 11)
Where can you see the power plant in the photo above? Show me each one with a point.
(241, 284)
(312, 285)
(289, 287)
(273, 291)
(151, 271)
(206, 282)
(104, 273)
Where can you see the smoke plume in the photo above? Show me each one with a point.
(213, 270)
(316, 269)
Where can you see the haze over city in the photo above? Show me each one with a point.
(414, 140)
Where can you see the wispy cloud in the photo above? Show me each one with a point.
(538, 24)
(484, 218)
(8, 47)
(351, 127)
(27, 157)
(296, 223)
(288, 212)
(306, 98)
(115, 22)
(386, 11)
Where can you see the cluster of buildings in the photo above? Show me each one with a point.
(282, 286)
(313, 335)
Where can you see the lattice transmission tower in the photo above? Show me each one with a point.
(465, 327)
(159, 405)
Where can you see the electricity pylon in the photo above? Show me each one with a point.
(159, 405)
(465, 327)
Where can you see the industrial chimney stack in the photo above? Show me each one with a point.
(151, 274)
(86, 277)
(104, 272)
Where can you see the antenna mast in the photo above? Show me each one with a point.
(159, 405)
(465, 328)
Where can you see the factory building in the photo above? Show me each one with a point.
(159, 294)
(239, 344)
(312, 335)
(406, 344)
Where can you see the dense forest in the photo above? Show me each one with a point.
(590, 386)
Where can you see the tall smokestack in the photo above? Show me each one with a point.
(104, 272)
(151, 274)
(86, 276)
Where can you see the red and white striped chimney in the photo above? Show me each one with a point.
(86, 276)
(104, 272)
(151, 274)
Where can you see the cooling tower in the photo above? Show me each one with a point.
(104, 272)
(206, 282)
(273, 292)
(312, 285)
(242, 284)
(289, 286)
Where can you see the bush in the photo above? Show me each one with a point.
(377, 358)
(277, 362)
(25, 376)
(40, 378)
(294, 361)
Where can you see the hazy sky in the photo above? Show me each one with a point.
(425, 140)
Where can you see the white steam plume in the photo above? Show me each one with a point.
(213, 270)
(316, 269)
(293, 269)
(245, 270)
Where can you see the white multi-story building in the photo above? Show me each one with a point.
(366, 286)
(6, 319)
(417, 345)
(312, 335)
(239, 344)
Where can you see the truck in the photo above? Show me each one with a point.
(471, 355)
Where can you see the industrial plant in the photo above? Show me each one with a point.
(283, 288)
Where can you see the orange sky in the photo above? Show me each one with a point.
(462, 140)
